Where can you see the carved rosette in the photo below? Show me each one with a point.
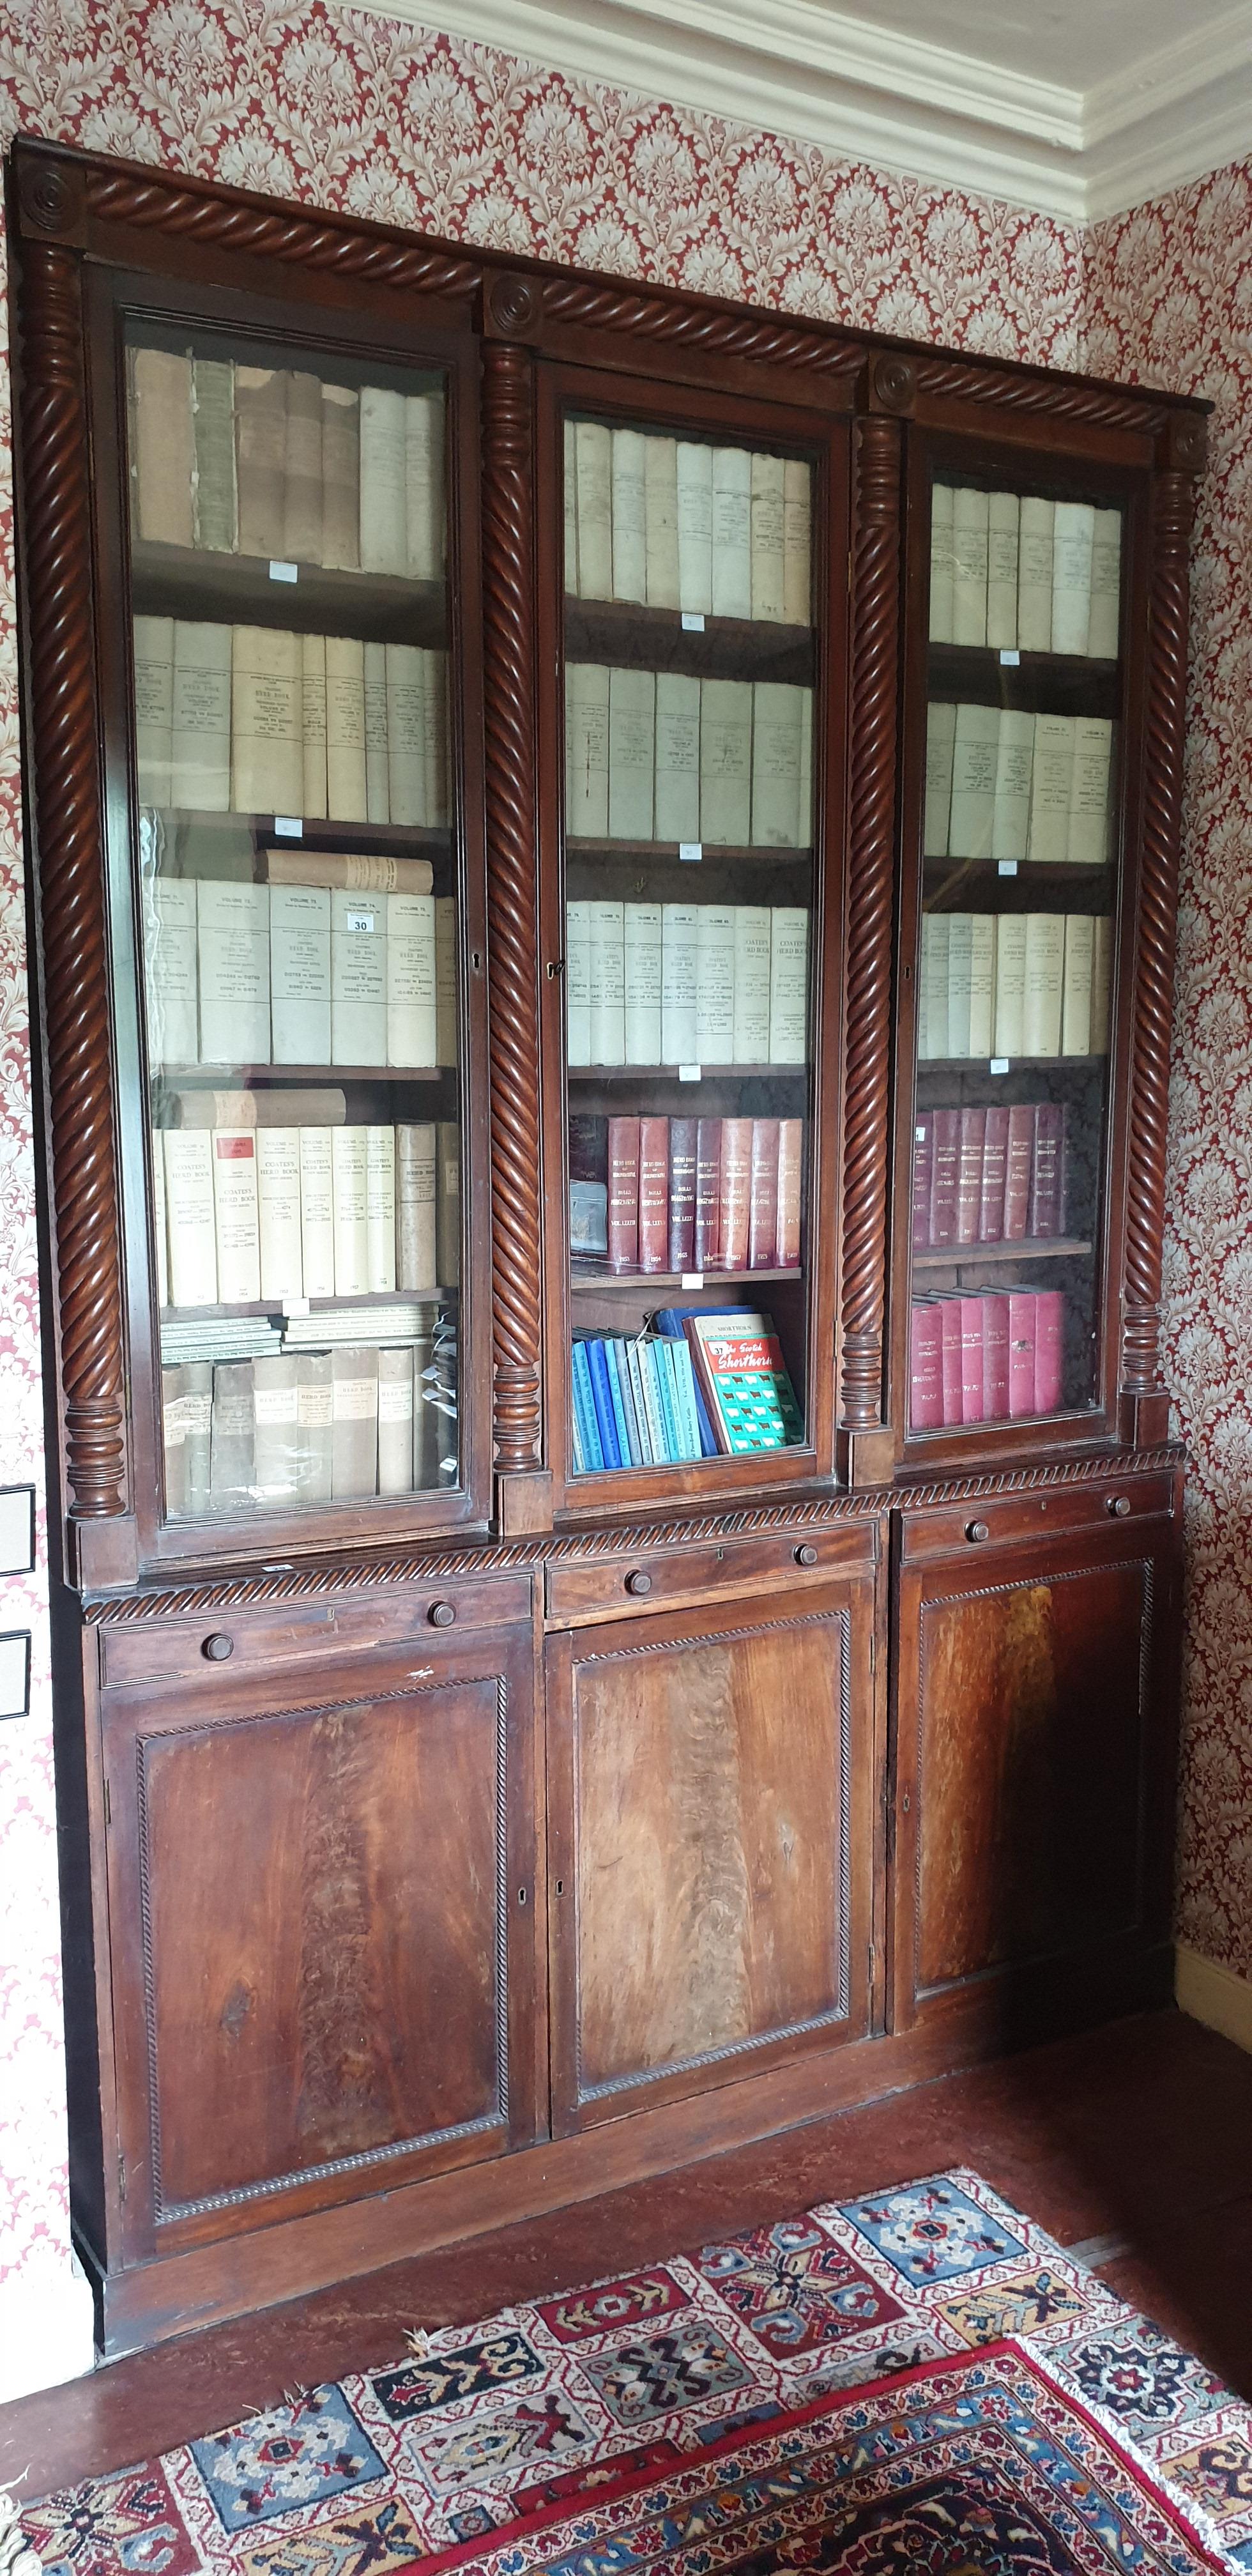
(67, 807)
(871, 851)
(1154, 971)
(512, 900)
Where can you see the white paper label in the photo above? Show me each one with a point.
(998, 1064)
(289, 827)
(314, 1406)
(691, 849)
(296, 1306)
(359, 921)
(284, 572)
(1007, 867)
(693, 622)
(689, 1072)
(395, 1399)
(920, 1134)
(1009, 657)
(692, 1279)
(355, 1399)
(276, 1405)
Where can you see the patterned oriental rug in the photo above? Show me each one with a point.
(915, 2384)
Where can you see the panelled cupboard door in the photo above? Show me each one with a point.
(1034, 1781)
(710, 1833)
(323, 1935)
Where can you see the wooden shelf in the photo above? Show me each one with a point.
(1030, 872)
(237, 1077)
(1016, 1064)
(654, 639)
(389, 840)
(626, 1282)
(668, 853)
(952, 1256)
(193, 581)
(382, 1297)
(1057, 683)
(670, 1073)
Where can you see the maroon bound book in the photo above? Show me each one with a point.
(623, 1193)
(923, 1174)
(950, 1349)
(790, 1174)
(708, 1231)
(736, 1192)
(995, 1357)
(653, 1193)
(1049, 1349)
(1047, 1180)
(763, 1197)
(1022, 1302)
(1017, 1175)
(947, 1156)
(969, 1174)
(995, 1163)
(971, 1359)
(682, 1194)
(926, 1367)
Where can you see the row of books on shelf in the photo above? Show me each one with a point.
(995, 1357)
(299, 973)
(1023, 574)
(658, 755)
(989, 1175)
(686, 1195)
(1014, 984)
(698, 1385)
(258, 720)
(1003, 783)
(681, 523)
(687, 983)
(268, 1213)
(310, 1426)
(281, 463)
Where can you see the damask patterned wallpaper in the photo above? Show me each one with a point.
(321, 105)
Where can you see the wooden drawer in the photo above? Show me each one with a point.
(659, 1577)
(220, 1641)
(1062, 1510)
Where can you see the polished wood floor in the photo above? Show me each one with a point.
(1133, 2144)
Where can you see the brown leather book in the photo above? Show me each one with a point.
(1017, 1179)
(653, 1193)
(790, 1193)
(969, 1174)
(736, 1192)
(623, 1194)
(682, 1195)
(995, 1161)
(708, 1229)
(763, 1199)
(946, 1167)
(1047, 1178)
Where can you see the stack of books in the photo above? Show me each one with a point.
(686, 1195)
(1004, 784)
(302, 968)
(1014, 984)
(701, 1385)
(990, 1357)
(257, 720)
(275, 1213)
(989, 1175)
(677, 523)
(275, 462)
(687, 983)
(655, 755)
(1023, 574)
(313, 1426)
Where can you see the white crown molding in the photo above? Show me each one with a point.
(899, 103)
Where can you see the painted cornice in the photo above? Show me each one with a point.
(896, 102)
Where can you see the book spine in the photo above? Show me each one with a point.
(768, 542)
(788, 984)
(942, 566)
(708, 1235)
(1088, 845)
(160, 1221)
(236, 1216)
(923, 1177)
(763, 1195)
(302, 470)
(971, 1145)
(627, 459)
(1051, 787)
(341, 477)
(164, 449)
(578, 982)
(233, 952)
(969, 566)
(1049, 1349)
(153, 660)
(715, 984)
(278, 1211)
(680, 930)
(170, 976)
(300, 974)
(653, 1193)
(677, 757)
(797, 542)
(995, 1161)
(190, 1220)
(584, 1400)
(632, 754)
(982, 983)
(726, 762)
(623, 1194)
(649, 1378)
(622, 1421)
(732, 532)
(660, 504)
(634, 1363)
(1104, 621)
(777, 724)
(198, 1383)
(276, 1475)
(200, 717)
(995, 1358)
(316, 804)
(406, 731)
(448, 1202)
(446, 980)
(1076, 988)
(971, 1314)
(383, 498)
(174, 1441)
(642, 982)
(934, 1033)
(1045, 960)
(1003, 523)
(1101, 983)
(1034, 575)
(358, 978)
(602, 1397)
(416, 1268)
(593, 471)
(261, 459)
(940, 748)
(925, 1368)
(354, 1421)
(608, 983)
(380, 1209)
(951, 1360)
(424, 485)
(411, 1038)
(975, 759)
(435, 738)
(266, 720)
(751, 983)
(736, 1187)
(960, 981)
(946, 1164)
(232, 1448)
(685, 1405)
(790, 1193)
(346, 797)
(313, 1426)
(1021, 1304)
(682, 1195)
(695, 527)
(350, 1207)
(317, 1212)
(1021, 1148)
(1015, 752)
(377, 776)
(1073, 535)
(1046, 1216)
(395, 1421)
(662, 1363)
(1010, 1001)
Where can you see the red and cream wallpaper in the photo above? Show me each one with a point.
(323, 105)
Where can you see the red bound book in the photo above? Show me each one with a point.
(708, 1228)
(971, 1359)
(995, 1163)
(926, 1367)
(1047, 1178)
(947, 1157)
(653, 1193)
(623, 1193)
(682, 1194)
(969, 1174)
(790, 1183)
(923, 1175)
(763, 1195)
(736, 1193)
(1017, 1172)
(995, 1357)
(1022, 1302)
(1049, 1349)
(950, 1351)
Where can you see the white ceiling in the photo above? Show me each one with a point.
(1079, 108)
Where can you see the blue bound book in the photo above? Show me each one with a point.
(617, 1397)
(584, 1407)
(670, 1322)
(603, 1396)
(663, 1356)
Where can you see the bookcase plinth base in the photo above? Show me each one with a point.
(866, 1458)
(524, 1503)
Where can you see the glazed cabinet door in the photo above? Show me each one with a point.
(710, 1830)
(1034, 1781)
(322, 1926)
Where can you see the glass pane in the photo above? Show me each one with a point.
(300, 921)
(1015, 966)
(689, 649)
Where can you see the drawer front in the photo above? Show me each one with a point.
(961, 1529)
(229, 1641)
(663, 1576)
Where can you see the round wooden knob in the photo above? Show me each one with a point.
(218, 1647)
(638, 1583)
(441, 1614)
(1118, 1505)
(977, 1530)
(805, 1555)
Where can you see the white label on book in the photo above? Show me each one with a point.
(998, 1064)
(284, 572)
(289, 827)
(1007, 867)
(693, 622)
(692, 1279)
(691, 849)
(295, 1305)
(689, 1072)
(1012, 659)
(359, 921)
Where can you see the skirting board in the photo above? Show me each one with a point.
(1213, 1995)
